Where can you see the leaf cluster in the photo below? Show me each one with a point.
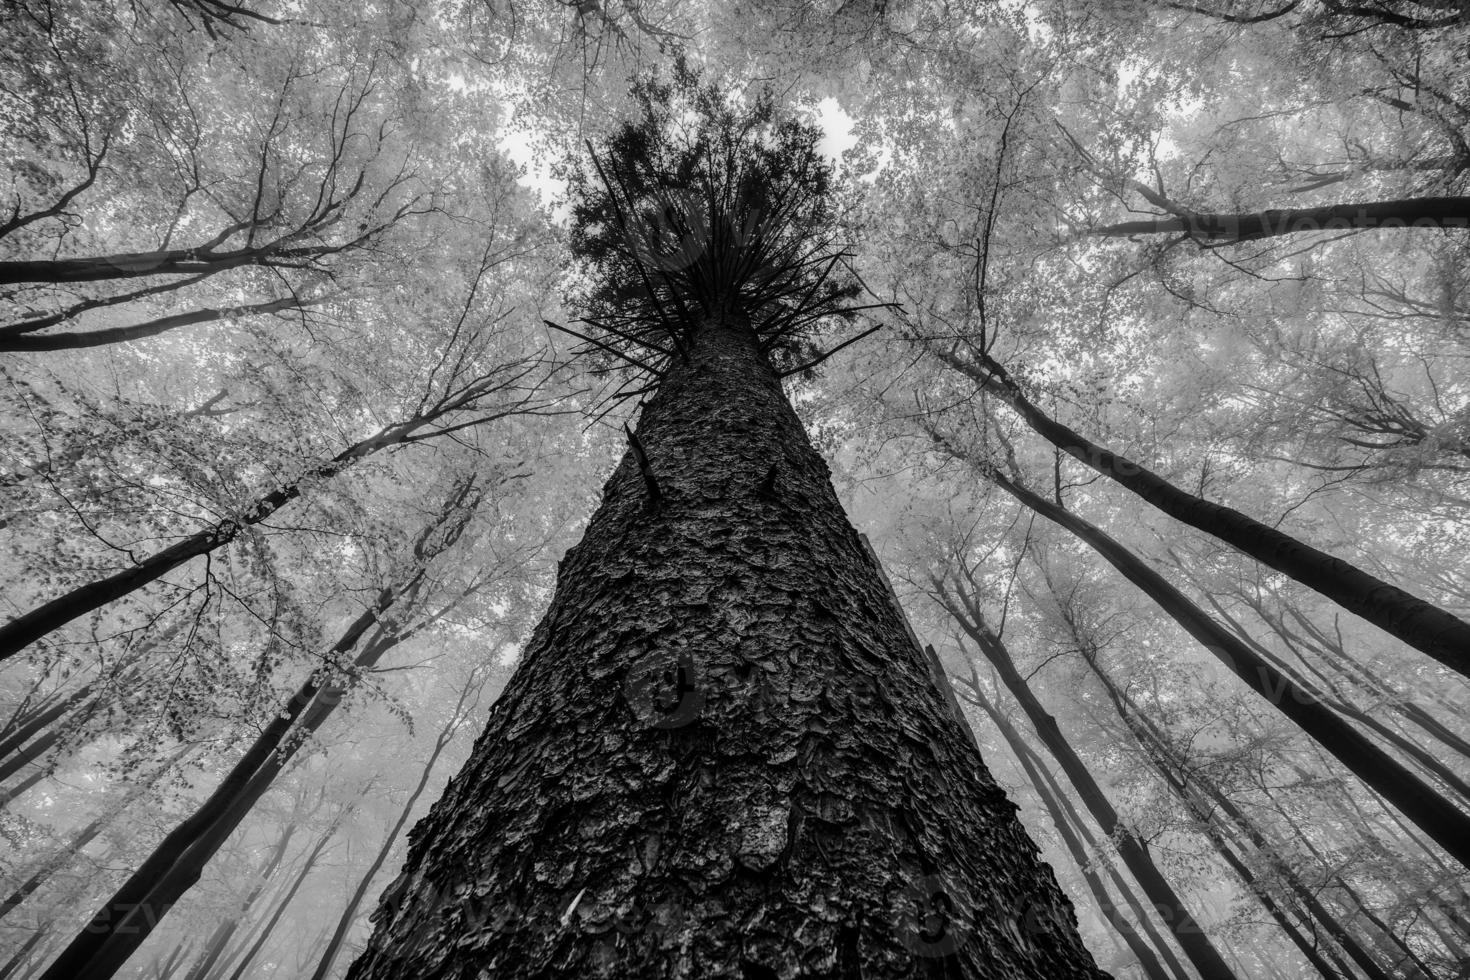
(707, 205)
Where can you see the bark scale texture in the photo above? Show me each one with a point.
(722, 754)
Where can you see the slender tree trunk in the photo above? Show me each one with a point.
(1193, 939)
(1142, 915)
(1187, 786)
(1147, 959)
(1354, 674)
(1414, 212)
(28, 728)
(721, 755)
(85, 836)
(1446, 824)
(349, 914)
(141, 331)
(31, 626)
(19, 956)
(29, 753)
(1420, 624)
(165, 262)
(1342, 706)
(285, 900)
(22, 787)
(122, 924)
(225, 931)
(64, 314)
(1383, 938)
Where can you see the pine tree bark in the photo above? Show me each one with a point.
(722, 756)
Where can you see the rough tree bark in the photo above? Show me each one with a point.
(722, 756)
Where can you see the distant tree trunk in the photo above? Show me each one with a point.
(1189, 787)
(1143, 915)
(225, 930)
(28, 725)
(1445, 823)
(1383, 938)
(121, 925)
(86, 835)
(1147, 958)
(1420, 624)
(19, 956)
(29, 753)
(1134, 851)
(25, 629)
(721, 755)
(349, 914)
(1331, 650)
(1413, 212)
(285, 900)
(22, 787)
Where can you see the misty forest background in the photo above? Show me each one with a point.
(273, 284)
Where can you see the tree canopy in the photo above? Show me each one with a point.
(320, 323)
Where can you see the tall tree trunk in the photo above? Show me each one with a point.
(19, 956)
(721, 755)
(22, 787)
(1445, 823)
(164, 262)
(25, 629)
(1131, 848)
(1412, 212)
(1420, 624)
(1143, 915)
(1327, 696)
(30, 753)
(1146, 956)
(87, 834)
(28, 725)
